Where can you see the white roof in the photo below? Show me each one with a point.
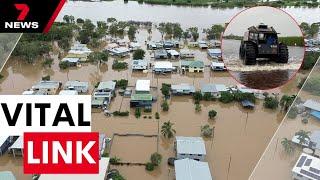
(214, 51)
(163, 65)
(28, 92)
(173, 52)
(190, 145)
(46, 85)
(18, 144)
(71, 60)
(76, 83)
(308, 166)
(3, 139)
(189, 169)
(134, 44)
(312, 104)
(68, 92)
(143, 85)
(103, 167)
(217, 64)
(182, 86)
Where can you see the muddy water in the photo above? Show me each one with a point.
(201, 17)
(265, 74)
(240, 135)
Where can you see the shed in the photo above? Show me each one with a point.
(218, 66)
(50, 87)
(190, 147)
(7, 175)
(186, 53)
(141, 100)
(189, 169)
(142, 86)
(247, 104)
(173, 53)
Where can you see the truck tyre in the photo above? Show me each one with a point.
(283, 55)
(250, 54)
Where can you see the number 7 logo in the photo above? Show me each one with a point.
(24, 8)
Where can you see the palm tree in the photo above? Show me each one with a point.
(287, 145)
(286, 101)
(167, 130)
(303, 136)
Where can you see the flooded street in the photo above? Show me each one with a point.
(265, 74)
(240, 135)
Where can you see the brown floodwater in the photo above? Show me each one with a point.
(265, 74)
(240, 135)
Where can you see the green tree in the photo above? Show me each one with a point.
(288, 145)
(194, 33)
(165, 105)
(132, 32)
(197, 107)
(167, 130)
(303, 136)
(149, 166)
(271, 103)
(207, 131)
(286, 101)
(162, 29)
(156, 159)
(139, 54)
(197, 97)
(212, 114)
(214, 32)
(165, 89)
(177, 31)
(226, 97)
(80, 21)
(207, 96)
(138, 112)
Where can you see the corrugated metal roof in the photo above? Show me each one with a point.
(110, 85)
(143, 85)
(141, 97)
(190, 145)
(189, 169)
(209, 88)
(312, 104)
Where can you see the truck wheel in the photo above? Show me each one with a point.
(250, 55)
(241, 52)
(283, 55)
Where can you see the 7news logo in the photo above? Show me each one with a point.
(24, 10)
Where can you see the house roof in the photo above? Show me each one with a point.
(190, 145)
(68, 92)
(143, 85)
(217, 64)
(46, 85)
(119, 50)
(316, 114)
(76, 83)
(110, 85)
(71, 59)
(163, 65)
(312, 104)
(308, 166)
(213, 88)
(183, 86)
(160, 52)
(140, 62)
(173, 52)
(315, 138)
(18, 144)
(7, 175)
(189, 169)
(141, 97)
(103, 167)
(214, 51)
(186, 51)
(192, 64)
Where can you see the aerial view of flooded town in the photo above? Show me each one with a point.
(162, 99)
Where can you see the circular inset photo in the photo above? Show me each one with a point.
(262, 47)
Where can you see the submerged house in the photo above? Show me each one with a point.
(190, 147)
(307, 167)
(213, 89)
(142, 96)
(154, 45)
(140, 64)
(218, 66)
(72, 61)
(182, 89)
(203, 45)
(160, 54)
(78, 48)
(68, 92)
(163, 67)
(189, 169)
(186, 53)
(215, 53)
(313, 107)
(80, 86)
(120, 51)
(173, 53)
(192, 66)
(47, 87)
(214, 43)
(103, 94)
(134, 46)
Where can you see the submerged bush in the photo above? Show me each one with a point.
(226, 97)
(271, 103)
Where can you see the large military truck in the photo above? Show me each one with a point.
(262, 42)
